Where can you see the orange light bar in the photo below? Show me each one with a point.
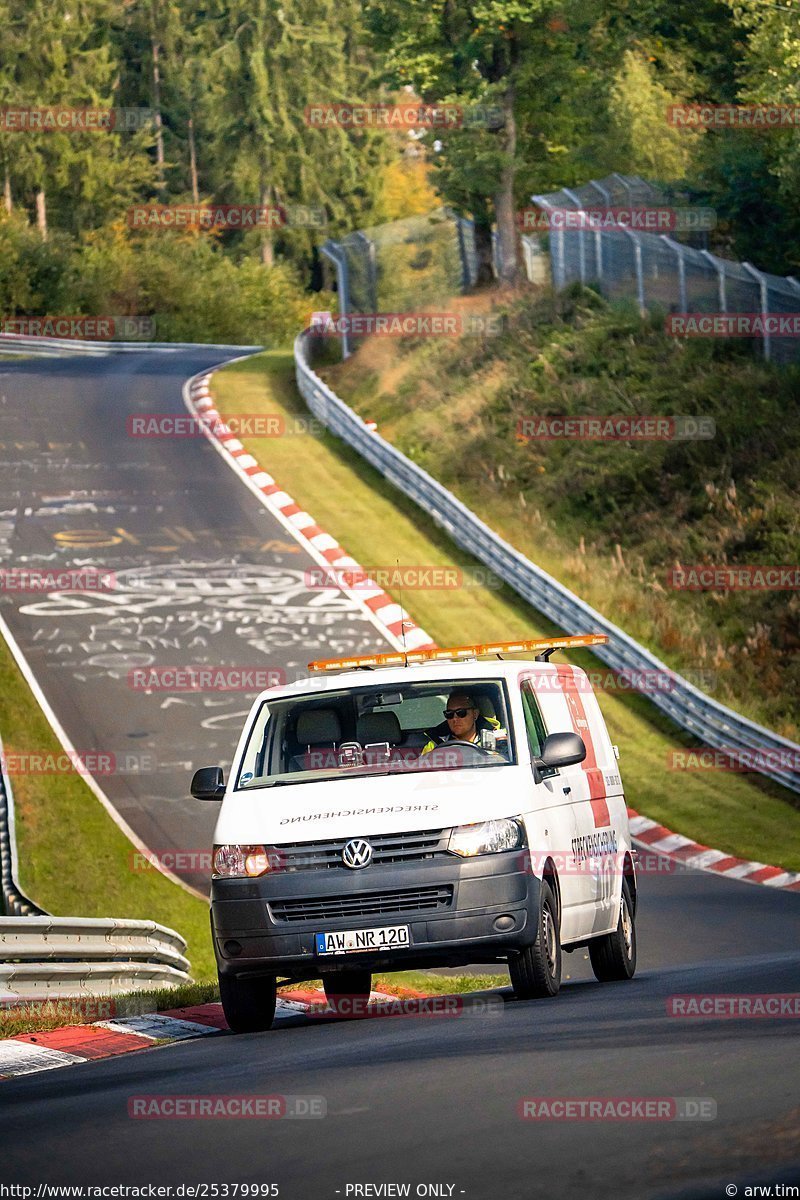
(401, 658)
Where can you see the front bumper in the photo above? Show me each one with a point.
(491, 913)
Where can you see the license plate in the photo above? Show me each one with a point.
(351, 941)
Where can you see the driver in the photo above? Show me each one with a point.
(464, 722)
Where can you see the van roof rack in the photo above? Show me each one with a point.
(542, 648)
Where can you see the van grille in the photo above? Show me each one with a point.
(386, 848)
(368, 904)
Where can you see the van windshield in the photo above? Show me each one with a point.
(443, 725)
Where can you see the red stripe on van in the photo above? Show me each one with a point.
(580, 725)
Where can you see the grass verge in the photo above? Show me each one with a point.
(74, 860)
(741, 814)
(612, 519)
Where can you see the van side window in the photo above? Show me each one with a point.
(534, 725)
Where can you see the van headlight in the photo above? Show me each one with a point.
(487, 837)
(244, 862)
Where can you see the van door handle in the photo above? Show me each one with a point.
(567, 791)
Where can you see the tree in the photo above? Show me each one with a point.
(273, 60)
(472, 53)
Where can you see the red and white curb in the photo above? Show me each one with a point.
(28, 1053)
(398, 626)
(654, 838)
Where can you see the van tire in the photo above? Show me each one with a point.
(536, 971)
(613, 956)
(249, 1002)
(352, 984)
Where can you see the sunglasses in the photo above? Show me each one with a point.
(456, 712)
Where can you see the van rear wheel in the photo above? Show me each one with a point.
(536, 971)
(348, 990)
(249, 1002)
(613, 956)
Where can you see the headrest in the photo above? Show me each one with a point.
(379, 727)
(318, 725)
(486, 707)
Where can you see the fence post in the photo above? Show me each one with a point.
(763, 286)
(335, 252)
(576, 200)
(719, 266)
(372, 268)
(678, 248)
(598, 233)
(637, 257)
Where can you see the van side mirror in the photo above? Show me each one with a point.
(561, 750)
(208, 784)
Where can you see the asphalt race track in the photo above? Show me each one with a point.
(432, 1102)
(203, 575)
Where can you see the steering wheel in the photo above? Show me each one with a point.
(472, 745)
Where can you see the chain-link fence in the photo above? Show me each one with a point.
(659, 270)
(416, 263)
(403, 266)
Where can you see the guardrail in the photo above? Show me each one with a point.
(43, 956)
(713, 723)
(16, 343)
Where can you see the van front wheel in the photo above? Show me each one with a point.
(248, 1003)
(536, 970)
(613, 956)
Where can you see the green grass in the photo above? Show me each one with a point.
(741, 814)
(74, 860)
(612, 519)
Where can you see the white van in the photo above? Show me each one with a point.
(451, 809)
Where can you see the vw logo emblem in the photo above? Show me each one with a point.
(357, 854)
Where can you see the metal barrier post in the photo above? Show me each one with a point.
(763, 286)
(334, 252)
(598, 233)
(576, 200)
(372, 268)
(678, 249)
(719, 266)
(637, 257)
